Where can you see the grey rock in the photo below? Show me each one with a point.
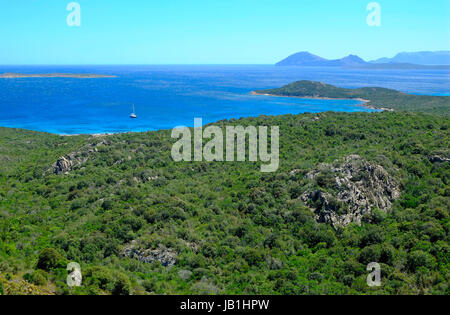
(65, 164)
(205, 287)
(165, 256)
(359, 188)
(439, 159)
(294, 172)
(185, 274)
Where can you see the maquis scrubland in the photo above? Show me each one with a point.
(351, 189)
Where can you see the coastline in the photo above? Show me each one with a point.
(99, 135)
(365, 103)
(96, 135)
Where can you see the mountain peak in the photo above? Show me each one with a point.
(303, 58)
(352, 59)
(306, 59)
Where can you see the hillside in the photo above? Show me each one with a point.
(140, 223)
(377, 97)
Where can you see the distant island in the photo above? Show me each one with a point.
(307, 59)
(400, 66)
(55, 75)
(420, 60)
(373, 97)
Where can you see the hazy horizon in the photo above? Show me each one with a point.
(192, 64)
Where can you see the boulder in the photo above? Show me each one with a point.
(63, 165)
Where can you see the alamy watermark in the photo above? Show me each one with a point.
(236, 144)
(74, 279)
(74, 17)
(374, 277)
(374, 17)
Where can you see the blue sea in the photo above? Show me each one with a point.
(168, 96)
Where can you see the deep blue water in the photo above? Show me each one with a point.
(169, 96)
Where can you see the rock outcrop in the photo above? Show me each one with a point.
(346, 193)
(67, 163)
(439, 159)
(165, 256)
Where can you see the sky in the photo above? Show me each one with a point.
(215, 31)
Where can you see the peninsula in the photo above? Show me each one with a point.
(55, 75)
(373, 97)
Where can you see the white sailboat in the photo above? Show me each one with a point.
(133, 115)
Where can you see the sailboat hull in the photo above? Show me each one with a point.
(133, 115)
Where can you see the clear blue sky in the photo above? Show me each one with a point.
(215, 31)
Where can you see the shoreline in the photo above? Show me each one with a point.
(98, 135)
(87, 134)
(364, 101)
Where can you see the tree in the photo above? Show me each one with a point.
(122, 286)
(49, 259)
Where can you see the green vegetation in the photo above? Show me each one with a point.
(232, 228)
(378, 97)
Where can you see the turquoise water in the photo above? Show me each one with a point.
(169, 96)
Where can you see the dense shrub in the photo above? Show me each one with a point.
(49, 259)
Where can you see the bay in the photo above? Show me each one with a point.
(168, 96)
